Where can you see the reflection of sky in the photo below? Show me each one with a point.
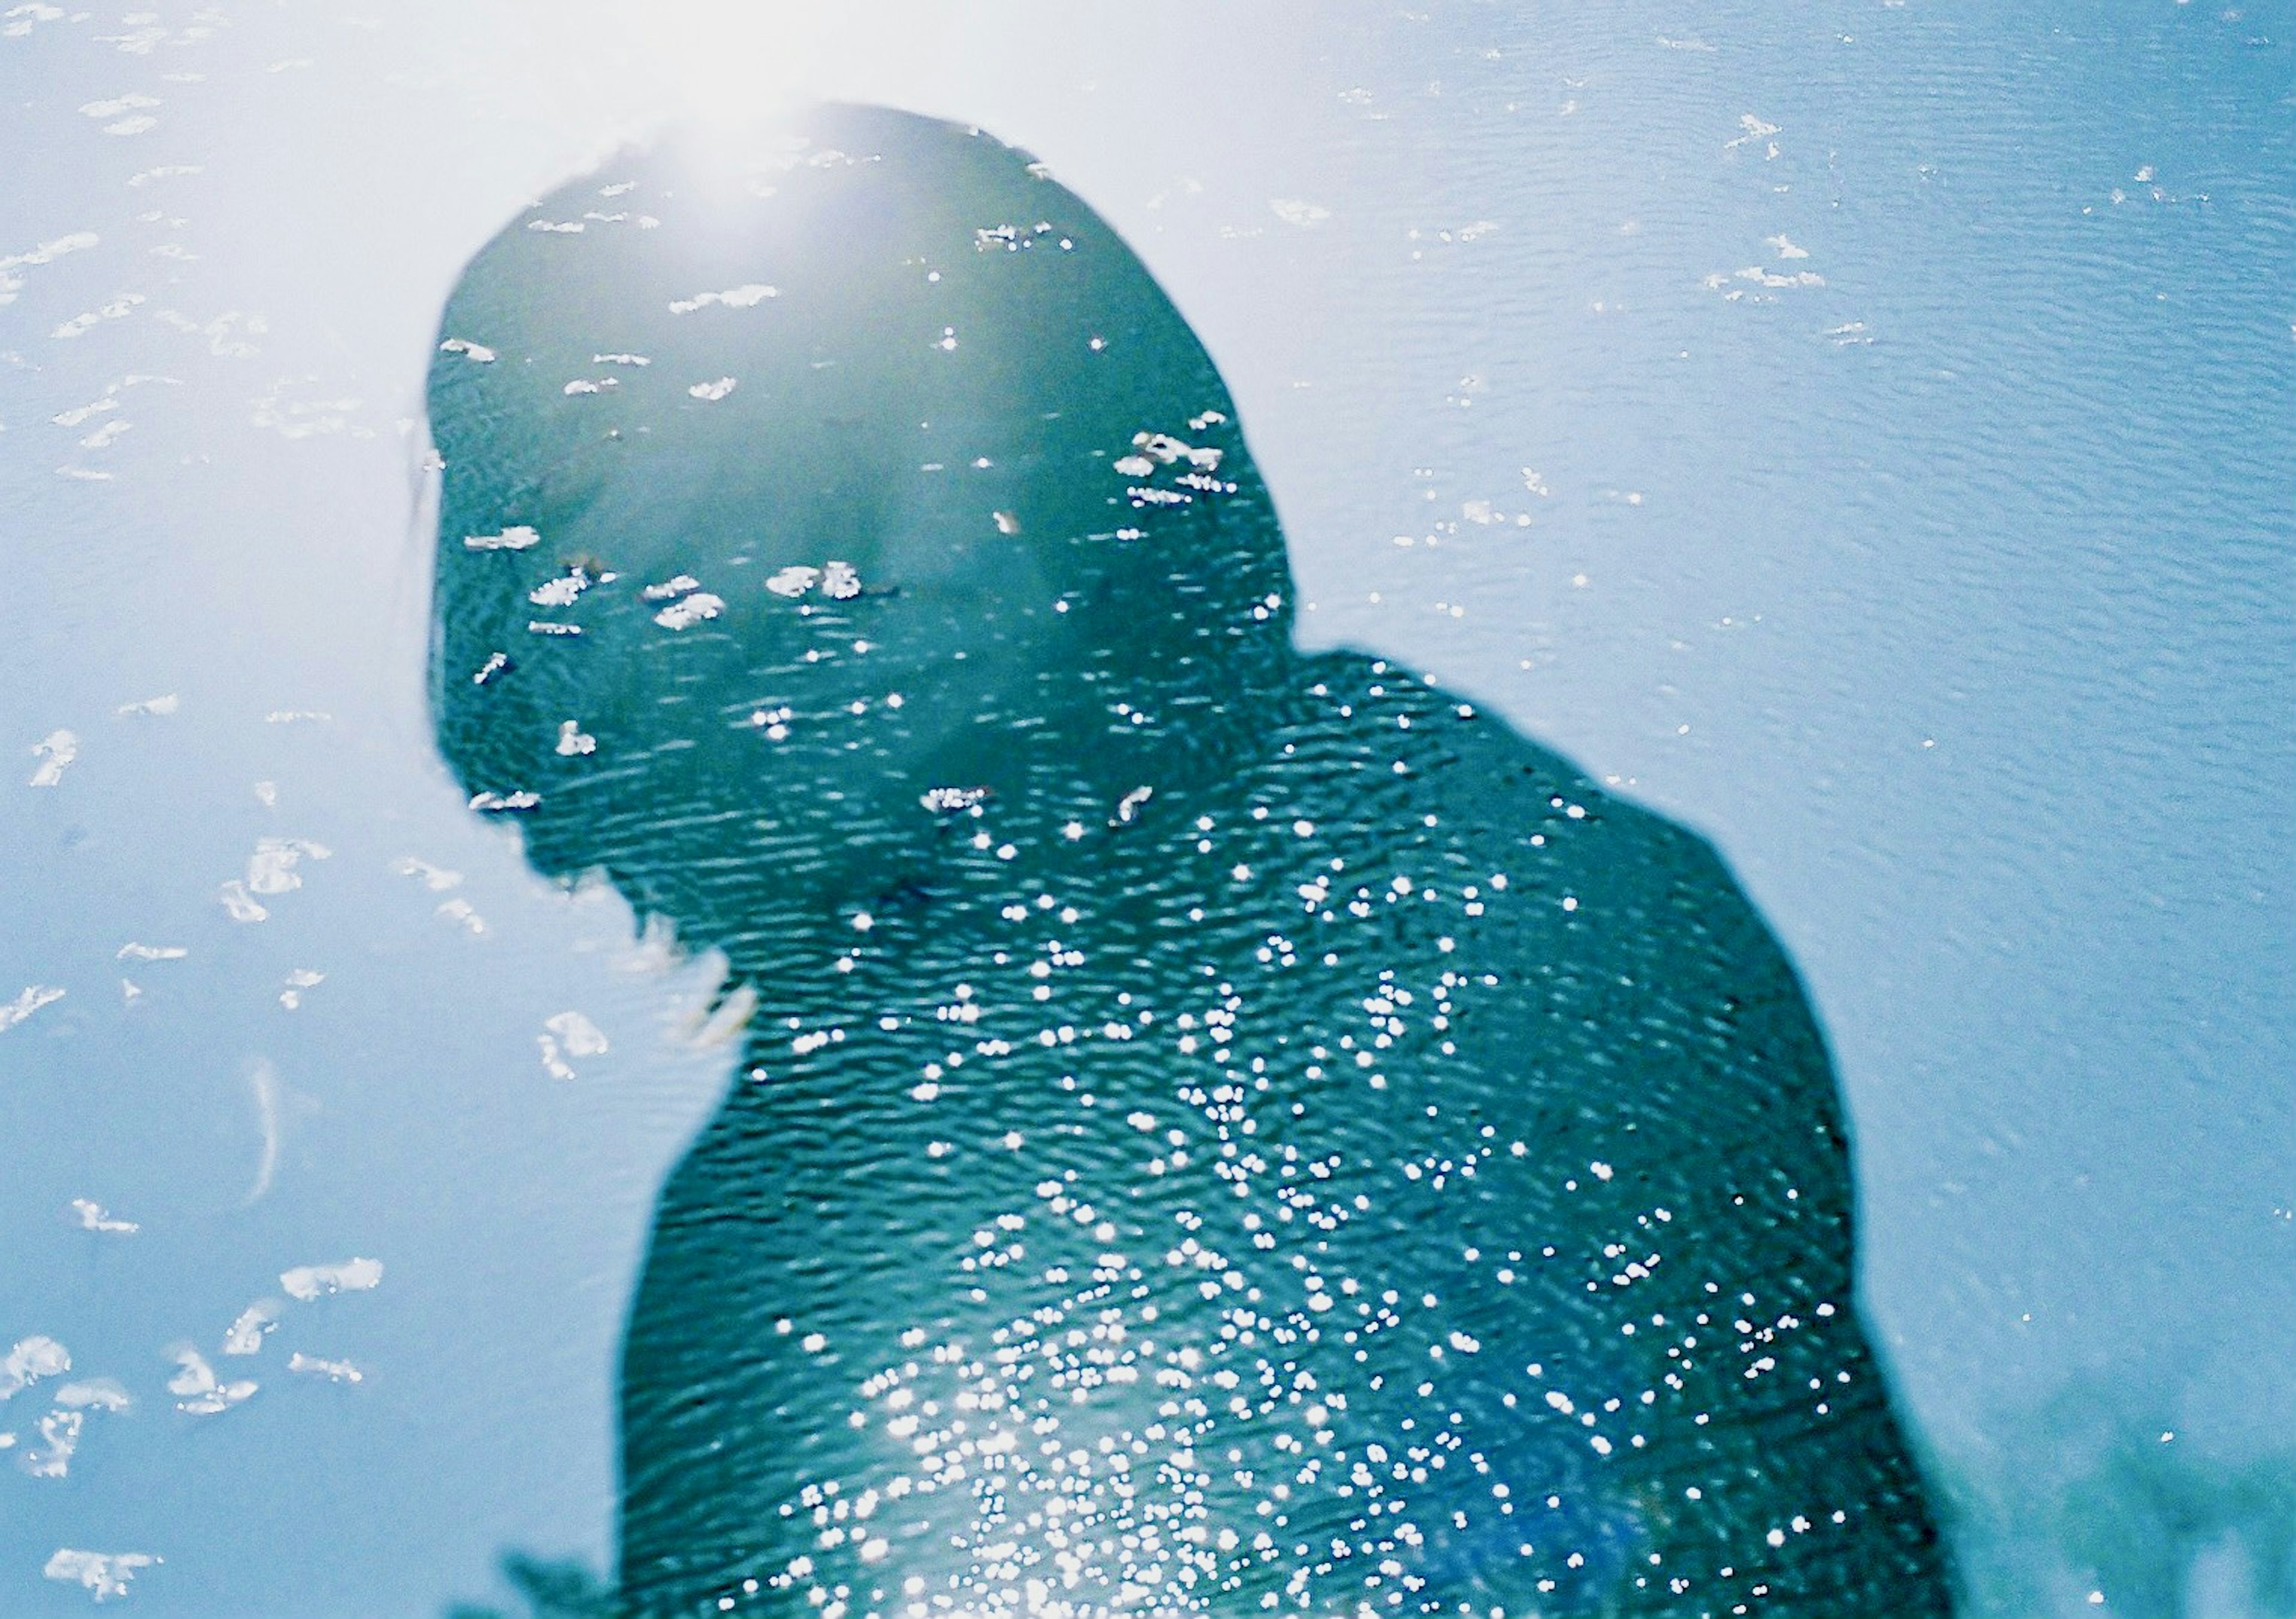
(1902, 410)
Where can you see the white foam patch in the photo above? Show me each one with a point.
(308, 1282)
(32, 1359)
(55, 751)
(255, 1323)
(21, 20)
(94, 1217)
(31, 1000)
(437, 879)
(463, 914)
(130, 102)
(94, 1393)
(687, 611)
(106, 1573)
(238, 905)
(297, 981)
(518, 536)
(565, 1035)
(118, 308)
(198, 1391)
(271, 869)
(713, 390)
(334, 1371)
(561, 592)
(748, 296)
(477, 354)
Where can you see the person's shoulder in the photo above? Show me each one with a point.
(1469, 767)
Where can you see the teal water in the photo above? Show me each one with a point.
(1220, 1129)
(1947, 595)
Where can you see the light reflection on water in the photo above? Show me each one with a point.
(1963, 570)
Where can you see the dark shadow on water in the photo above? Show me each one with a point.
(1220, 1128)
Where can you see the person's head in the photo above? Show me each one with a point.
(776, 497)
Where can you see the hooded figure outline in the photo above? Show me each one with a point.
(1220, 1128)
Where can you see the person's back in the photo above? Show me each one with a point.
(1221, 1129)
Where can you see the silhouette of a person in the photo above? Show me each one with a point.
(1221, 1129)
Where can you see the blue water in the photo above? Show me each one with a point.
(1966, 571)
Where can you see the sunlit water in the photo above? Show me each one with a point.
(1899, 407)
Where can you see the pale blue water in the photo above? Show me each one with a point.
(1965, 569)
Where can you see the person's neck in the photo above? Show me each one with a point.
(1100, 822)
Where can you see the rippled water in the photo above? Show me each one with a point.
(1898, 407)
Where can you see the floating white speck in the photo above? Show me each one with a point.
(619, 359)
(713, 390)
(94, 1217)
(1133, 466)
(246, 1334)
(56, 750)
(572, 740)
(266, 793)
(1298, 210)
(839, 581)
(94, 1393)
(495, 803)
(238, 905)
(168, 704)
(517, 537)
(1006, 522)
(747, 297)
(299, 980)
(690, 610)
(1786, 249)
(31, 1000)
(794, 580)
(197, 1390)
(32, 1359)
(586, 385)
(477, 354)
(293, 716)
(106, 1573)
(561, 227)
(334, 1371)
(308, 1282)
(667, 588)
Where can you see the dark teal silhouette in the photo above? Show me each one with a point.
(1221, 1129)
